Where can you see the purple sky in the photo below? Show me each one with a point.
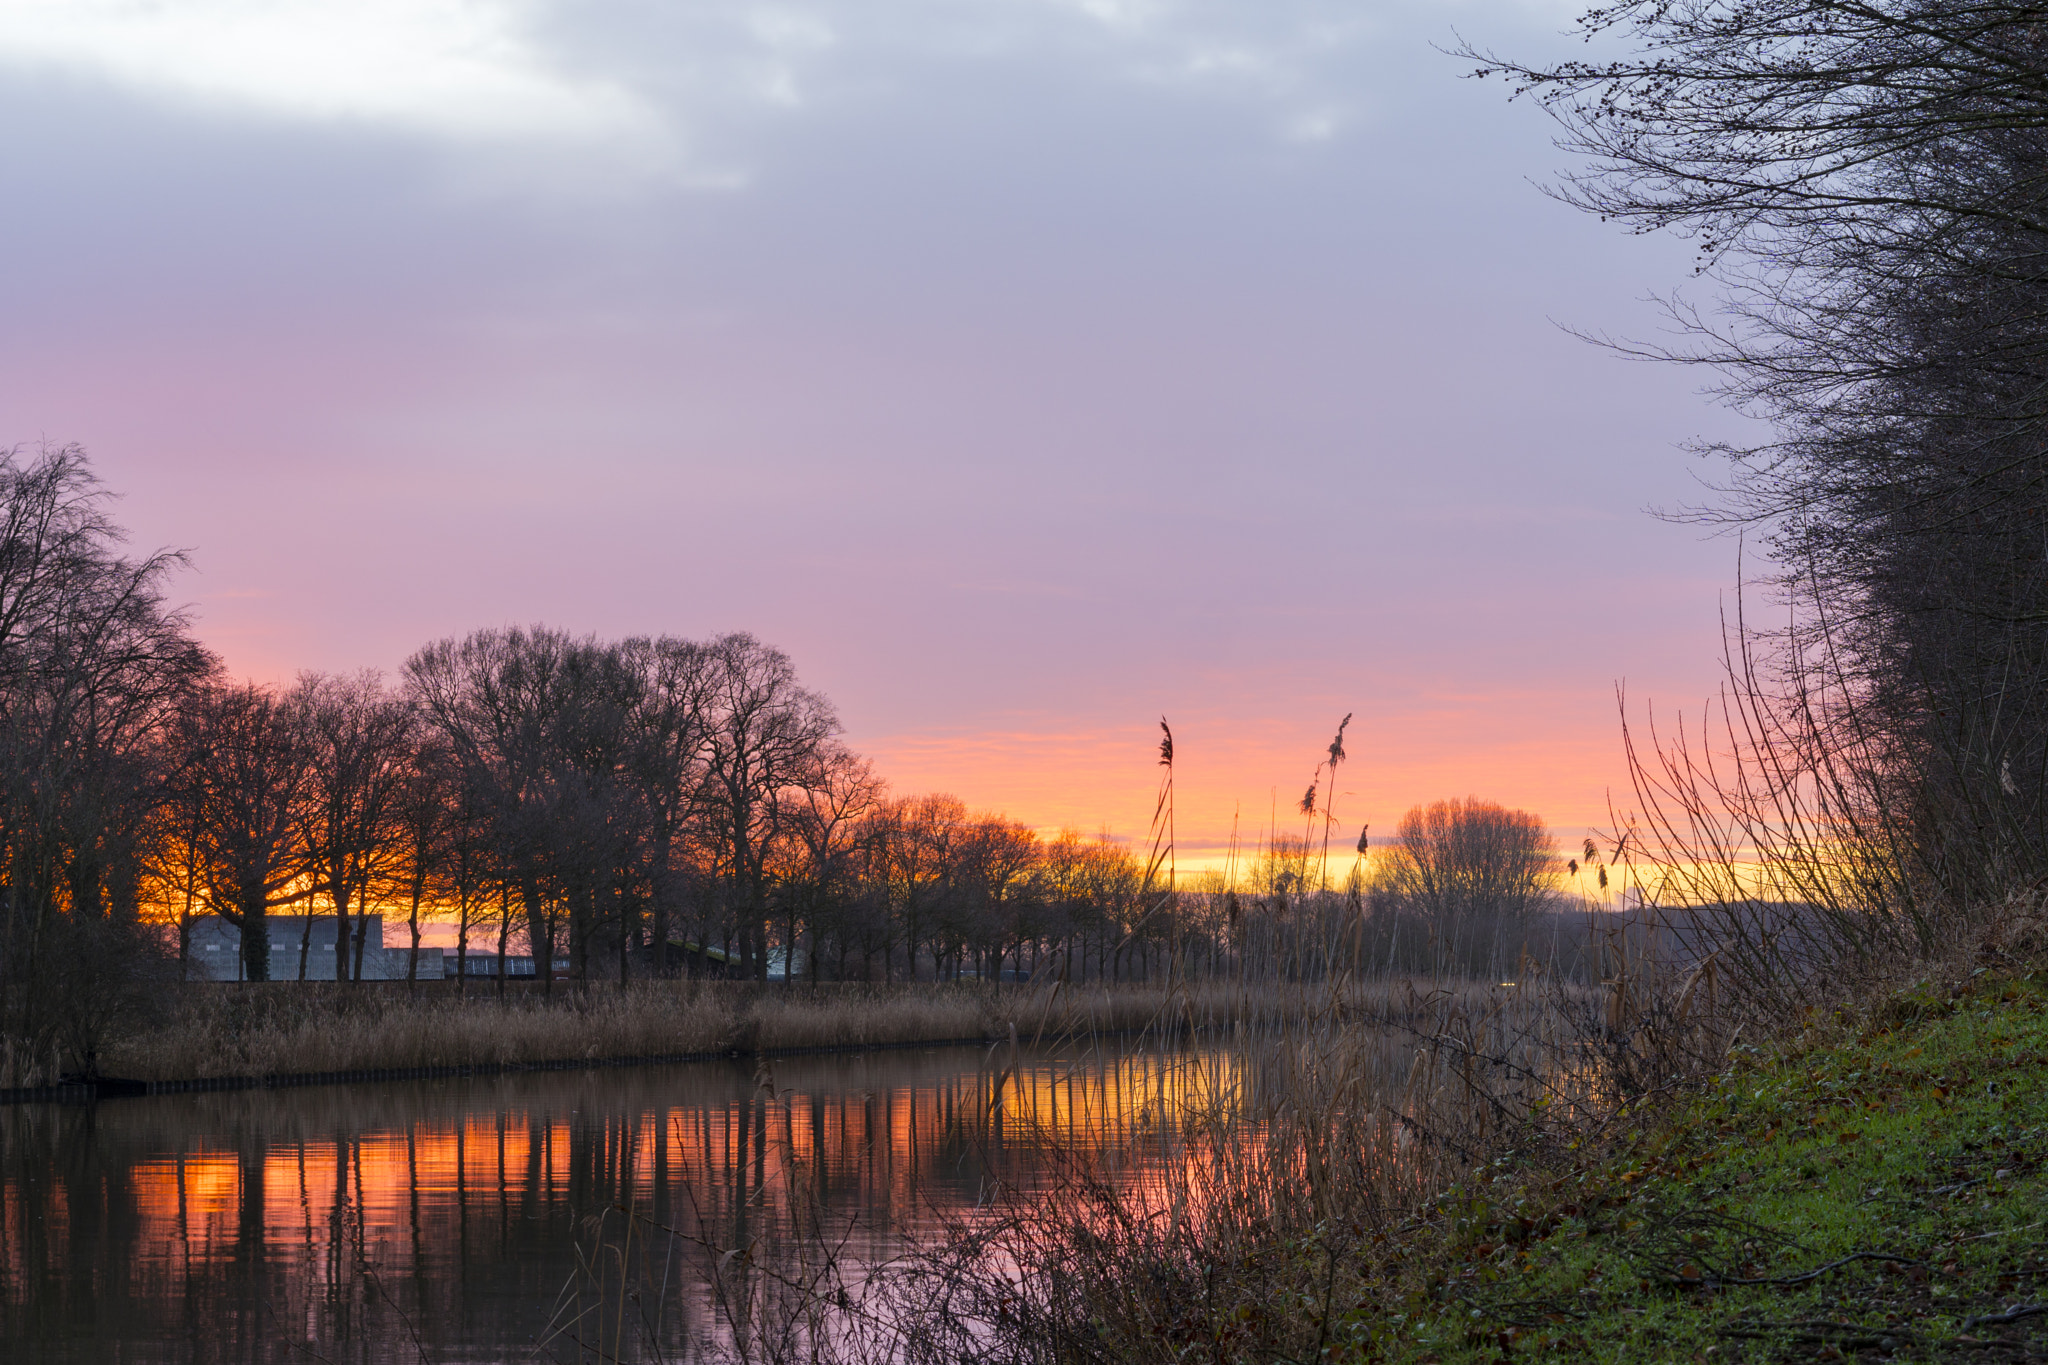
(1025, 368)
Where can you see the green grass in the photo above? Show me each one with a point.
(1722, 1225)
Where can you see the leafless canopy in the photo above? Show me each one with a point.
(1868, 185)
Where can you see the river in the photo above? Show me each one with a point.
(442, 1220)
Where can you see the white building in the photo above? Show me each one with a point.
(481, 963)
(214, 950)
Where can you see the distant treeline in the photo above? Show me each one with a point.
(645, 806)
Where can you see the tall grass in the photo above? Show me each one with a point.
(295, 1028)
(1809, 835)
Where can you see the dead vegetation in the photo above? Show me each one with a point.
(295, 1029)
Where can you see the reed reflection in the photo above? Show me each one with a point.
(380, 1222)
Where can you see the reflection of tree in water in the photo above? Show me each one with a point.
(822, 1189)
(248, 1226)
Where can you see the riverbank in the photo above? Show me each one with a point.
(218, 1036)
(1867, 1182)
(1875, 1188)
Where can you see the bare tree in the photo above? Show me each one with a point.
(916, 842)
(452, 814)
(92, 660)
(425, 825)
(1869, 187)
(667, 752)
(247, 769)
(541, 725)
(1474, 870)
(361, 759)
(763, 745)
(1114, 884)
(1002, 860)
(826, 833)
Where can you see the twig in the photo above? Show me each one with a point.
(2002, 1232)
(412, 1331)
(1817, 1271)
(2012, 1314)
(834, 1299)
(1850, 1334)
(1423, 1131)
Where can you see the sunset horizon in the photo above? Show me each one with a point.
(1023, 682)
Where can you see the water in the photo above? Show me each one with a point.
(442, 1220)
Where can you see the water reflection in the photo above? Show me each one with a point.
(441, 1219)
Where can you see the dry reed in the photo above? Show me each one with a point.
(288, 1029)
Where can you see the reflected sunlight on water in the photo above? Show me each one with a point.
(252, 1226)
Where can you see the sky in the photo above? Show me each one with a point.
(1028, 370)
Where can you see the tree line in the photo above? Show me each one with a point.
(644, 806)
(1868, 188)
(618, 803)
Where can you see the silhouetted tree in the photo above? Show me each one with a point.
(362, 755)
(540, 724)
(826, 834)
(248, 769)
(1000, 872)
(1869, 187)
(668, 749)
(763, 746)
(432, 858)
(1473, 870)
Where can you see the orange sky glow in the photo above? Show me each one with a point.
(1015, 432)
(1252, 775)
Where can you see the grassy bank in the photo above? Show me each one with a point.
(1874, 1185)
(241, 1030)
(1875, 1188)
